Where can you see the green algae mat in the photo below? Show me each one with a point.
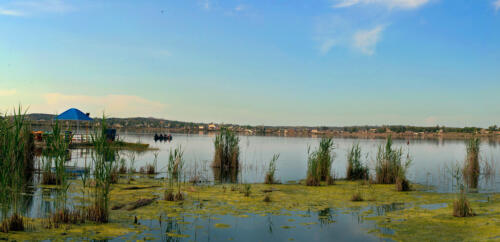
(408, 216)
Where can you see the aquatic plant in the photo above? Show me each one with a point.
(471, 169)
(227, 150)
(461, 206)
(319, 163)
(267, 198)
(16, 166)
(357, 197)
(103, 162)
(391, 168)
(247, 190)
(270, 179)
(174, 170)
(355, 168)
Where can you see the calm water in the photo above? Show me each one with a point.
(432, 160)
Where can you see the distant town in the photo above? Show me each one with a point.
(163, 125)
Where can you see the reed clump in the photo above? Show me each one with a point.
(174, 172)
(227, 150)
(391, 166)
(16, 166)
(471, 170)
(356, 170)
(461, 206)
(13, 223)
(319, 163)
(103, 165)
(270, 179)
(357, 197)
(65, 216)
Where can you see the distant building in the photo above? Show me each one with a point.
(212, 127)
(201, 127)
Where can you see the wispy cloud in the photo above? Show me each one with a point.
(496, 4)
(9, 12)
(205, 4)
(7, 92)
(326, 45)
(402, 4)
(113, 105)
(366, 40)
(25, 8)
(240, 8)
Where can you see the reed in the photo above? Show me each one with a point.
(174, 171)
(355, 168)
(103, 162)
(16, 166)
(319, 163)
(471, 170)
(227, 150)
(391, 166)
(461, 206)
(270, 179)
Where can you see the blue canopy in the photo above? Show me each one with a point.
(73, 114)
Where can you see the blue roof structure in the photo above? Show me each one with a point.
(73, 114)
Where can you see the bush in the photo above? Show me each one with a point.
(355, 169)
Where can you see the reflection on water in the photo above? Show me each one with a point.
(298, 226)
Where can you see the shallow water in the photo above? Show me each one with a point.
(432, 159)
(431, 164)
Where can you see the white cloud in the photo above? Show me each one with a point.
(9, 12)
(112, 105)
(7, 92)
(402, 4)
(366, 40)
(496, 4)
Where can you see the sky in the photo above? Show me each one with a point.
(259, 62)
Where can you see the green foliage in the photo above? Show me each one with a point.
(355, 168)
(390, 165)
(319, 163)
(270, 179)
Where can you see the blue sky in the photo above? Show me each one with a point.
(272, 62)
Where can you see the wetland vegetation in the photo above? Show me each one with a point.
(166, 199)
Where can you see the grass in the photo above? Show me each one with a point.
(471, 169)
(357, 197)
(319, 163)
(391, 166)
(355, 168)
(270, 179)
(227, 150)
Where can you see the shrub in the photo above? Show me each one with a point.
(271, 170)
(355, 169)
(174, 170)
(357, 197)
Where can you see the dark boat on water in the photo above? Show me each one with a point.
(163, 137)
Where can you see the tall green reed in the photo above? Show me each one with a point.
(356, 170)
(319, 163)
